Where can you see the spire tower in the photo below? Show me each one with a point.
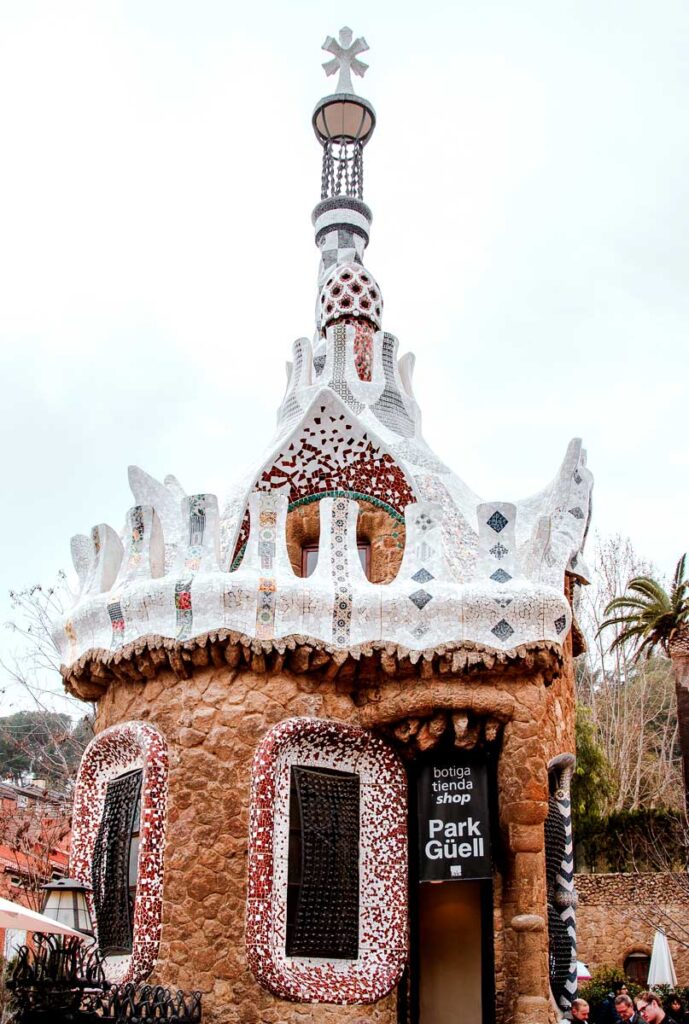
(344, 123)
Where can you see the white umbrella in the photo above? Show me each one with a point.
(662, 969)
(13, 915)
(583, 973)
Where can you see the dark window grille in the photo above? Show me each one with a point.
(110, 870)
(323, 869)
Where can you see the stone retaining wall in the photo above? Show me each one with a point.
(617, 913)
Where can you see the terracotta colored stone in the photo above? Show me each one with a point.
(215, 701)
(617, 913)
(213, 721)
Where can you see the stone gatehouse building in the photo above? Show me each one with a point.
(335, 725)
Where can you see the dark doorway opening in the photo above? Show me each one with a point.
(451, 977)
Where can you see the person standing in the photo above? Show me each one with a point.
(580, 1010)
(607, 1011)
(624, 1008)
(675, 1008)
(651, 1009)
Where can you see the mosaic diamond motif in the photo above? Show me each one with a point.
(420, 598)
(560, 623)
(497, 521)
(500, 576)
(419, 631)
(422, 576)
(502, 602)
(502, 630)
(576, 512)
(498, 550)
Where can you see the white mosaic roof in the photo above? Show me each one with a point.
(349, 426)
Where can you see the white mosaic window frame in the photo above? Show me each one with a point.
(383, 930)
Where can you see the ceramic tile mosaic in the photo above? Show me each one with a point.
(382, 865)
(200, 547)
(300, 372)
(363, 349)
(562, 893)
(332, 452)
(395, 409)
(349, 427)
(342, 227)
(166, 499)
(492, 603)
(350, 290)
(115, 751)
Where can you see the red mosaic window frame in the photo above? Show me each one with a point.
(114, 752)
(382, 948)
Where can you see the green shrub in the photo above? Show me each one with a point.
(651, 839)
(604, 980)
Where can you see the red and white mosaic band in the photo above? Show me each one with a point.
(116, 751)
(382, 864)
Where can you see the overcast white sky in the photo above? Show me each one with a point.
(528, 179)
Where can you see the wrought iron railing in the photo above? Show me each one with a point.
(138, 1004)
(61, 981)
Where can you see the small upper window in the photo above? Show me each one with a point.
(636, 967)
(309, 558)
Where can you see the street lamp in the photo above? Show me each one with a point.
(66, 902)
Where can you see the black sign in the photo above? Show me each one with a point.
(453, 817)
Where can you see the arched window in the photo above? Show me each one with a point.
(636, 965)
(120, 806)
(309, 558)
(327, 892)
(115, 864)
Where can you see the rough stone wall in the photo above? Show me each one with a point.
(501, 979)
(616, 915)
(213, 723)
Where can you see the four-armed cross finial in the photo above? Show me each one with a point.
(345, 59)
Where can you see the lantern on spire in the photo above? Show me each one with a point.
(344, 122)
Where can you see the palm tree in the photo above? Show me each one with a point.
(651, 617)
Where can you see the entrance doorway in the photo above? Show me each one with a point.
(452, 960)
(452, 953)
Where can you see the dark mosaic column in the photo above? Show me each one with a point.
(562, 895)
